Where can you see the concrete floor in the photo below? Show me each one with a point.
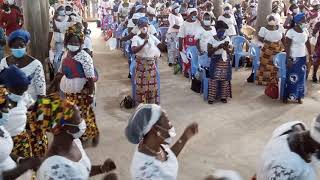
(231, 136)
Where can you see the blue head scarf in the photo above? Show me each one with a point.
(138, 7)
(297, 18)
(13, 77)
(142, 21)
(22, 34)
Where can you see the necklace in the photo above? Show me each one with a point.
(152, 151)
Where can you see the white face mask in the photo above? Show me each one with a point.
(144, 30)
(172, 134)
(10, 2)
(68, 12)
(272, 23)
(296, 11)
(227, 11)
(73, 48)
(82, 129)
(207, 22)
(177, 10)
(14, 97)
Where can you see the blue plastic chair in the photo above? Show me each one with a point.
(162, 34)
(279, 60)
(192, 53)
(204, 61)
(254, 51)
(238, 42)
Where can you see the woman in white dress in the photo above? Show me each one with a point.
(154, 159)
(289, 153)
(66, 156)
(205, 34)
(18, 41)
(229, 19)
(272, 36)
(175, 21)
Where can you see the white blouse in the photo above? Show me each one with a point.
(189, 28)
(150, 50)
(36, 72)
(298, 45)
(215, 43)
(6, 145)
(231, 22)
(56, 167)
(75, 85)
(144, 167)
(174, 20)
(272, 35)
(278, 162)
(205, 37)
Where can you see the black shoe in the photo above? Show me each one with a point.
(129, 76)
(186, 75)
(224, 101)
(314, 79)
(285, 101)
(210, 102)
(300, 101)
(250, 78)
(170, 64)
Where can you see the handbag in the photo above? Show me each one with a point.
(196, 85)
(272, 90)
(127, 102)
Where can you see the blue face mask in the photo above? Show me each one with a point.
(220, 34)
(4, 119)
(62, 13)
(18, 53)
(194, 18)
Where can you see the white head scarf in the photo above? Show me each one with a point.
(191, 10)
(315, 129)
(226, 175)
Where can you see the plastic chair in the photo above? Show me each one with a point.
(162, 33)
(254, 51)
(192, 53)
(204, 61)
(238, 42)
(279, 60)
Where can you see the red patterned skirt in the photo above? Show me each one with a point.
(146, 82)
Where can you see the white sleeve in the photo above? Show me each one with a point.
(199, 34)
(87, 64)
(134, 41)
(171, 20)
(290, 34)
(262, 33)
(39, 80)
(181, 33)
(155, 40)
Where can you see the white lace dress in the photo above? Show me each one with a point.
(36, 72)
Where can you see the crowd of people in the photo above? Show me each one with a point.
(32, 107)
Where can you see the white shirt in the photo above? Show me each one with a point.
(272, 36)
(215, 43)
(231, 22)
(63, 27)
(174, 20)
(189, 28)
(278, 162)
(205, 37)
(150, 50)
(298, 46)
(6, 145)
(56, 166)
(151, 30)
(124, 11)
(87, 43)
(145, 167)
(36, 72)
(17, 119)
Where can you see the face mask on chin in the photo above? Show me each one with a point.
(82, 129)
(220, 34)
(207, 22)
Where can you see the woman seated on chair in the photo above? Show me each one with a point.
(272, 37)
(219, 49)
(146, 47)
(296, 42)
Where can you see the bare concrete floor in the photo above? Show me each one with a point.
(231, 136)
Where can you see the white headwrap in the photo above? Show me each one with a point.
(191, 10)
(226, 175)
(174, 6)
(285, 128)
(6, 145)
(315, 129)
(315, 2)
(227, 5)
